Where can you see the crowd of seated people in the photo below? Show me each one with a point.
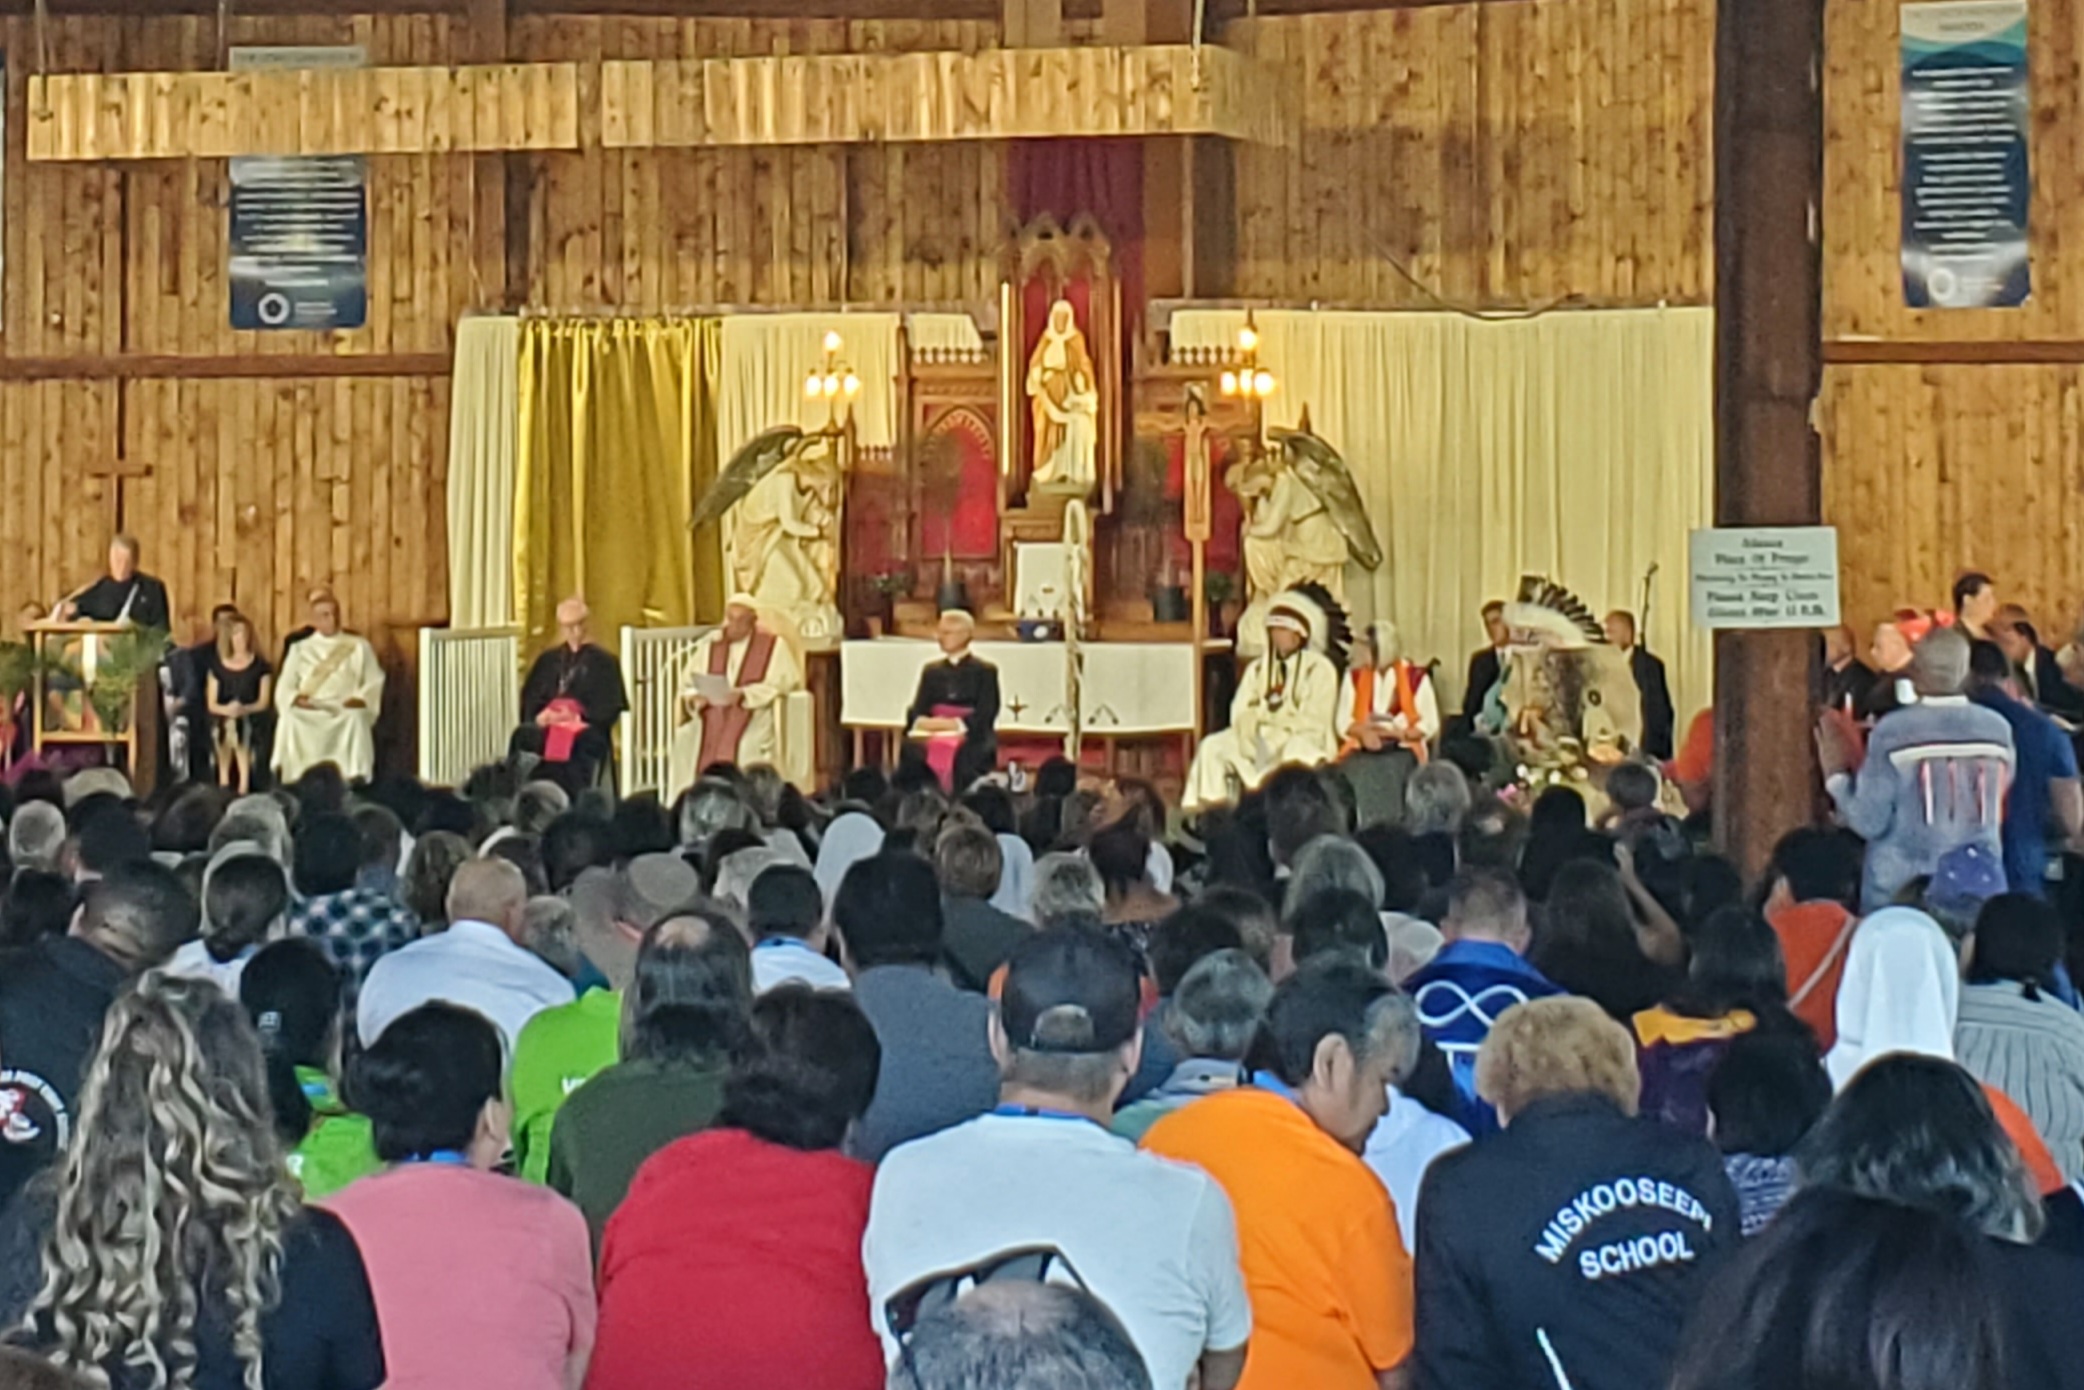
(353, 1084)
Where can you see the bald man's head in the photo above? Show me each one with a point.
(489, 890)
(1016, 1335)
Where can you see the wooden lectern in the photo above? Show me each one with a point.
(64, 713)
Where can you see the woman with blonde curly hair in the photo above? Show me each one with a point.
(171, 1250)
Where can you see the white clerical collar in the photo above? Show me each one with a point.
(957, 658)
(1944, 700)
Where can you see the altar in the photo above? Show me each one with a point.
(1123, 689)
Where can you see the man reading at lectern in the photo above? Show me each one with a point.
(125, 594)
(953, 721)
(570, 702)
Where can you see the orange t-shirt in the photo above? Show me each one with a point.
(1814, 938)
(1317, 1237)
(2019, 1128)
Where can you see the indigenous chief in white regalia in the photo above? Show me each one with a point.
(327, 698)
(1286, 710)
(731, 690)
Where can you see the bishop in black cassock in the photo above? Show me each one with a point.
(577, 671)
(959, 681)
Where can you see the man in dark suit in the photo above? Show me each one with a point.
(570, 703)
(2040, 677)
(1848, 681)
(1486, 664)
(125, 594)
(1648, 670)
(957, 696)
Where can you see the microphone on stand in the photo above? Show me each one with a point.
(1642, 633)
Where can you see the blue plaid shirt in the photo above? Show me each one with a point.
(357, 928)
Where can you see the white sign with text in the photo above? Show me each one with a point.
(1764, 576)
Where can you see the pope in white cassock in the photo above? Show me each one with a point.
(1286, 711)
(731, 689)
(327, 698)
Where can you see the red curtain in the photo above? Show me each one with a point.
(1103, 178)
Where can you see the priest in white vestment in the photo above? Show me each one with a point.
(327, 698)
(731, 691)
(1286, 711)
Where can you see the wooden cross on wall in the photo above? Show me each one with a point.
(113, 474)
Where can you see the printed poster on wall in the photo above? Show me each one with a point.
(1966, 184)
(299, 226)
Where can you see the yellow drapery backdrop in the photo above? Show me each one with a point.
(1577, 445)
(617, 439)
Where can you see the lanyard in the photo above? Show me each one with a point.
(773, 942)
(1032, 1112)
(453, 1158)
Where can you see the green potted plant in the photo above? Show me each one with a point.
(20, 664)
(887, 588)
(127, 660)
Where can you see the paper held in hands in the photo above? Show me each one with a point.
(711, 689)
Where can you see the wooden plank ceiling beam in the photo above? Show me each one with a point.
(997, 94)
(1220, 11)
(174, 115)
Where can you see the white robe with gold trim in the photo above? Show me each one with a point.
(328, 732)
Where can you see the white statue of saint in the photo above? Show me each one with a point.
(785, 546)
(1064, 393)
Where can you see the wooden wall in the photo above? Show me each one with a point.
(1507, 155)
(1953, 438)
(666, 228)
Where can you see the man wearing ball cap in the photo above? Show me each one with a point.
(1153, 1240)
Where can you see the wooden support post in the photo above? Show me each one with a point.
(1768, 366)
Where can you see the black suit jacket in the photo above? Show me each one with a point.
(1658, 717)
(1483, 674)
(2052, 690)
(106, 600)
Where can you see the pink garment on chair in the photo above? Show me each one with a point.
(559, 738)
(942, 748)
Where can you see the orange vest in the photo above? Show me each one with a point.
(1364, 703)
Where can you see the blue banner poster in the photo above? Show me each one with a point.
(299, 242)
(1966, 182)
(299, 227)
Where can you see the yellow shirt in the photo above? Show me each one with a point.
(1324, 1263)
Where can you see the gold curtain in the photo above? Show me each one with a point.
(617, 440)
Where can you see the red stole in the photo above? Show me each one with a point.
(723, 727)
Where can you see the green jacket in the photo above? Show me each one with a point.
(558, 1051)
(338, 1148)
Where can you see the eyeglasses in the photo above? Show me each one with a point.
(904, 1310)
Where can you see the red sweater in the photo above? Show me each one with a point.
(737, 1263)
